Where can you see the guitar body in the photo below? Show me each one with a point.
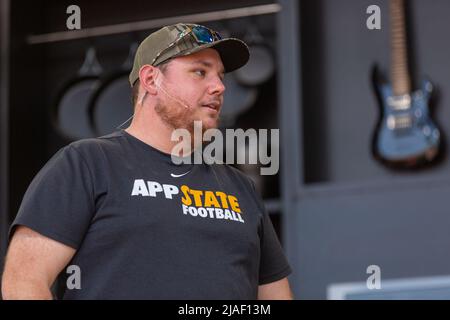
(406, 136)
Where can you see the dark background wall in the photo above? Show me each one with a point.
(351, 212)
(340, 110)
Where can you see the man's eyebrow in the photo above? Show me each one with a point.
(206, 64)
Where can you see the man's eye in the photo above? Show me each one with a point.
(200, 72)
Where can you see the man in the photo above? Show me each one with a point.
(136, 225)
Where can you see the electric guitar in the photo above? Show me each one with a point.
(406, 135)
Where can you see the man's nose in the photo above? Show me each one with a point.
(217, 88)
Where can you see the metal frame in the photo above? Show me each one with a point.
(153, 23)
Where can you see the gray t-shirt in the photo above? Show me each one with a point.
(146, 228)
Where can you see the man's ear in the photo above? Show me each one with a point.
(147, 76)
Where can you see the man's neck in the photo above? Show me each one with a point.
(159, 139)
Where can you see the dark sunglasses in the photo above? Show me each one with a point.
(201, 35)
(205, 35)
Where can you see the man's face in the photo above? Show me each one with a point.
(192, 90)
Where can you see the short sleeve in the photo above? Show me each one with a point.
(273, 265)
(273, 262)
(59, 202)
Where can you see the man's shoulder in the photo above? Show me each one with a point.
(91, 150)
(90, 145)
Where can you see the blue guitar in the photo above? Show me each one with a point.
(406, 135)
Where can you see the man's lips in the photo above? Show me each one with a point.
(212, 105)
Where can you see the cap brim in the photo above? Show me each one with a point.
(233, 52)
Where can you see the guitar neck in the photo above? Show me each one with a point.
(400, 78)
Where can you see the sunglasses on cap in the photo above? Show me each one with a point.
(201, 34)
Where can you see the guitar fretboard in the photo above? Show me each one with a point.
(399, 59)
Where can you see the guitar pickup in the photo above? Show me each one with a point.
(402, 102)
(399, 121)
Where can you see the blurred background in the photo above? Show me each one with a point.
(336, 207)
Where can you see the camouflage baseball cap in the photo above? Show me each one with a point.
(182, 39)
